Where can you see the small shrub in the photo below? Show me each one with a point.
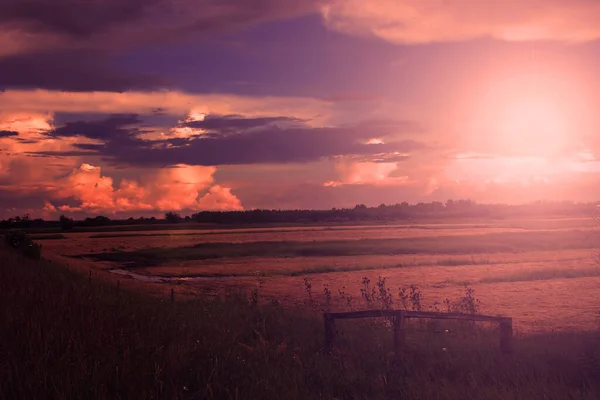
(16, 238)
(415, 298)
(467, 304)
(20, 240)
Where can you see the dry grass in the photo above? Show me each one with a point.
(516, 279)
(463, 244)
(64, 336)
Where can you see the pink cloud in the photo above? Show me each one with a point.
(219, 198)
(361, 173)
(181, 188)
(172, 102)
(419, 21)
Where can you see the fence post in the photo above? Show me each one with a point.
(506, 334)
(172, 295)
(329, 326)
(399, 332)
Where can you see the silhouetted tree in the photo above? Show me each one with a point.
(66, 223)
(173, 217)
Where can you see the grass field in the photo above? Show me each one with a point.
(521, 268)
(66, 334)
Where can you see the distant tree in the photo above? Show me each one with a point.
(173, 217)
(66, 223)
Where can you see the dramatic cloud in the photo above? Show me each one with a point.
(418, 21)
(171, 102)
(236, 140)
(182, 187)
(221, 125)
(72, 45)
(117, 127)
(31, 24)
(143, 106)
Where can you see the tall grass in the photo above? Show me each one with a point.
(65, 336)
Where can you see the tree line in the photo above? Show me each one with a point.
(395, 212)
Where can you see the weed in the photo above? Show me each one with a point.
(415, 297)
(327, 296)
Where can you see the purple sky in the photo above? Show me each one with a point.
(131, 107)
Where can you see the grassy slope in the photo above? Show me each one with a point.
(66, 337)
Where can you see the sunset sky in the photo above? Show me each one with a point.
(138, 107)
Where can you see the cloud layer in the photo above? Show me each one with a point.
(30, 25)
(131, 106)
(182, 187)
(233, 140)
(418, 21)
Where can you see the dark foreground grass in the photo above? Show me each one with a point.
(459, 244)
(65, 337)
(48, 236)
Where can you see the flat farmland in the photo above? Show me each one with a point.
(543, 273)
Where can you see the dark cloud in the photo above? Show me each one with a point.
(76, 45)
(27, 141)
(232, 123)
(28, 199)
(71, 17)
(71, 71)
(118, 23)
(4, 134)
(53, 154)
(116, 127)
(233, 140)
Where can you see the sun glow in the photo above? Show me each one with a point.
(533, 123)
(528, 125)
(529, 115)
(532, 114)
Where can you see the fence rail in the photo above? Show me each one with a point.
(400, 317)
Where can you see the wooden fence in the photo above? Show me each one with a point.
(400, 317)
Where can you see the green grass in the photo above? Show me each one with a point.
(462, 244)
(64, 336)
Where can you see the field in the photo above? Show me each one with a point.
(543, 273)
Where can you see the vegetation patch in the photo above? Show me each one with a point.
(463, 244)
(19, 239)
(68, 336)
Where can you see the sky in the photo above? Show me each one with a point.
(139, 107)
